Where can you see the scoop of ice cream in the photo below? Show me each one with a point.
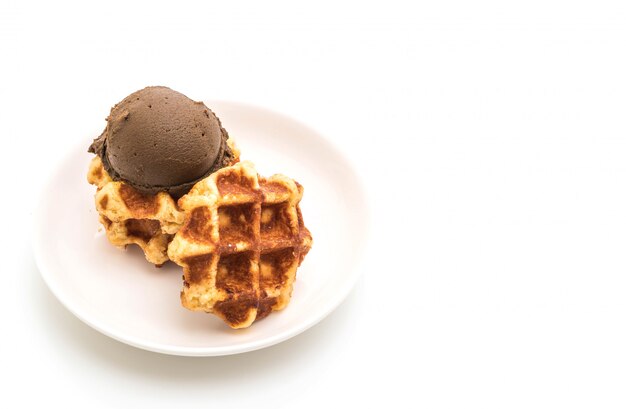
(157, 139)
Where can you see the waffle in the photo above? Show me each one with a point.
(130, 217)
(240, 244)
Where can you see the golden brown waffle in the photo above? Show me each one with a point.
(240, 245)
(130, 217)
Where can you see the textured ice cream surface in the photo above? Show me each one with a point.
(157, 139)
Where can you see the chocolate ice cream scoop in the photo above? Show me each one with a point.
(157, 139)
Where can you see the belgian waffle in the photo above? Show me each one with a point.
(240, 245)
(130, 217)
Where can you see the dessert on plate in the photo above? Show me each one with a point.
(169, 180)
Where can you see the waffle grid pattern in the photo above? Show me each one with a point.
(241, 243)
(130, 217)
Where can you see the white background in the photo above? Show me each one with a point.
(492, 138)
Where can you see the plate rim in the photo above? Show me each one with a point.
(37, 244)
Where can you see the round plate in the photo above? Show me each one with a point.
(123, 296)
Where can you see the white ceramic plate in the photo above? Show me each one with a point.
(121, 295)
